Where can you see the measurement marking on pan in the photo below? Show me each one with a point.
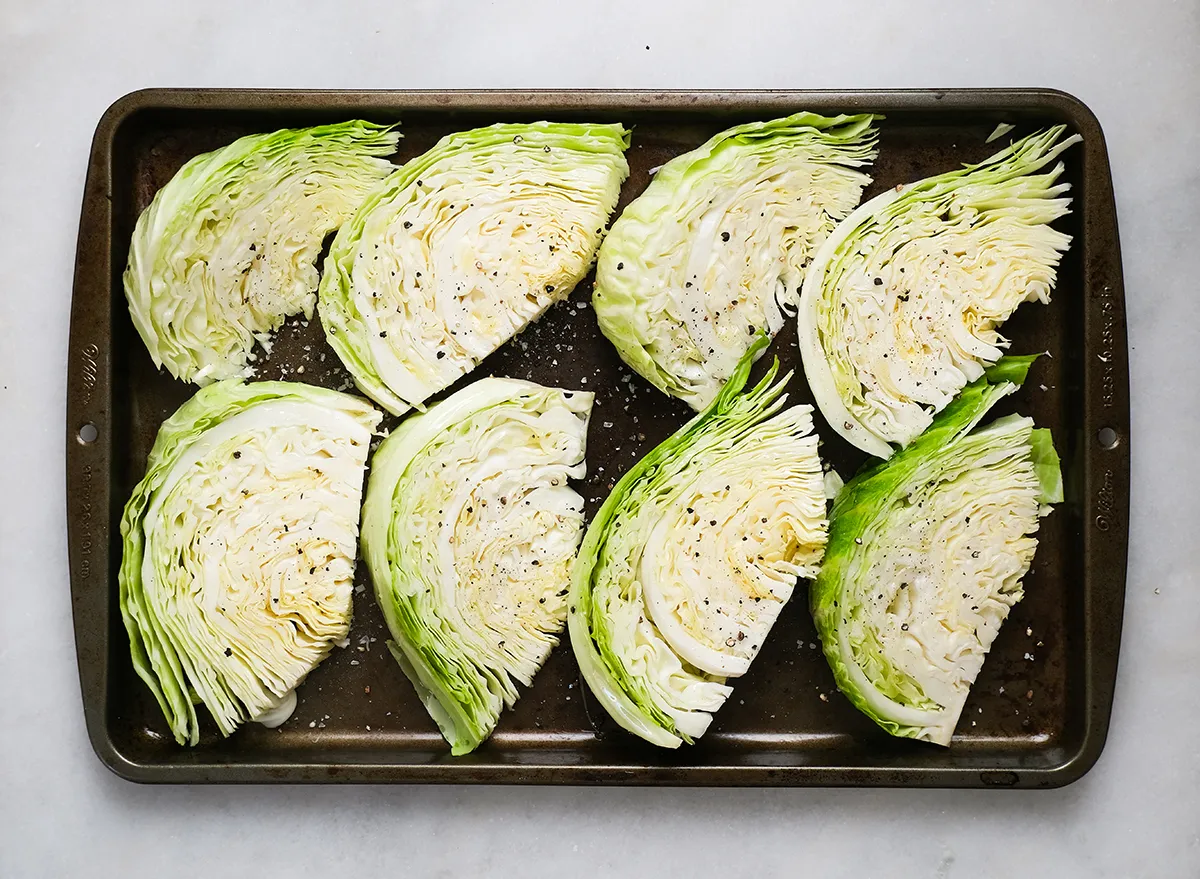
(85, 524)
(1108, 310)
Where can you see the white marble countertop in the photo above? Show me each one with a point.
(1136, 814)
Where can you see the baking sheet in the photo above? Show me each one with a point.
(1038, 713)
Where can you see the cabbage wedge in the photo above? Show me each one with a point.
(469, 529)
(901, 305)
(690, 560)
(227, 250)
(458, 250)
(239, 549)
(716, 248)
(925, 559)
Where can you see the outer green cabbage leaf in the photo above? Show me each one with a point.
(901, 305)
(228, 248)
(239, 548)
(469, 530)
(716, 248)
(925, 559)
(1049, 470)
(689, 561)
(462, 247)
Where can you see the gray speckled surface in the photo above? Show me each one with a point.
(1136, 814)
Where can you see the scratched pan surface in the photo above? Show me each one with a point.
(1037, 716)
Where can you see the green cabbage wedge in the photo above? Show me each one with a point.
(925, 559)
(463, 246)
(239, 549)
(716, 248)
(901, 304)
(469, 530)
(690, 560)
(227, 249)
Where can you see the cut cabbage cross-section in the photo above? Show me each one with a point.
(688, 563)
(469, 529)
(901, 305)
(228, 248)
(462, 247)
(926, 556)
(716, 247)
(239, 548)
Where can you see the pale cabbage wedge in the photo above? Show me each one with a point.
(926, 556)
(901, 305)
(690, 560)
(227, 250)
(239, 549)
(469, 529)
(458, 250)
(715, 250)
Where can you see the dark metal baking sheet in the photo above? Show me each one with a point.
(1038, 714)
